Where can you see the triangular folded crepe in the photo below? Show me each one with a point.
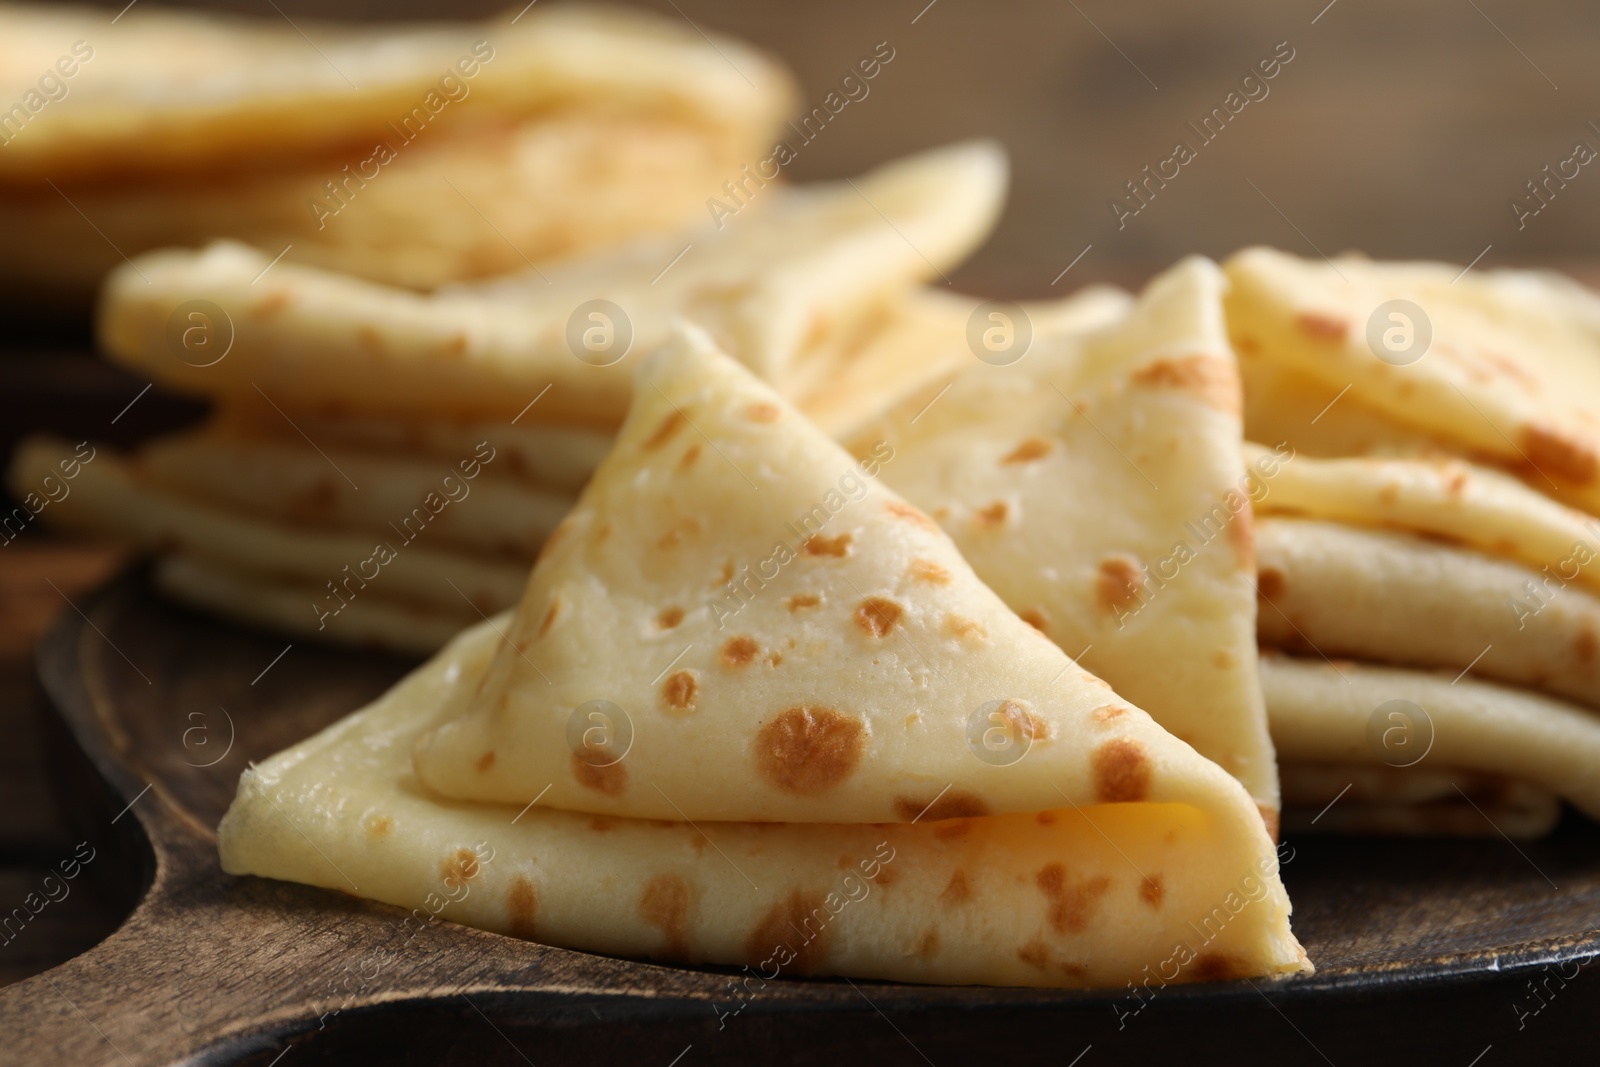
(1499, 365)
(793, 265)
(778, 637)
(1096, 485)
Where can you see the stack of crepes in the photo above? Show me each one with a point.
(1437, 453)
(382, 465)
(755, 707)
(414, 155)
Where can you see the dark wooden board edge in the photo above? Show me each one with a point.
(191, 978)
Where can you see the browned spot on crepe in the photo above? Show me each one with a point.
(271, 304)
(925, 570)
(876, 616)
(1247, 344)
(669, 618)
(370, 339)
(550, 617)
(1116, 583)
(1045, 818)
(1223, 660)
(1218, 967)
(603, 534)
(485, 761)
(611, 779)
(1271, 583)
(1151, 890)
(379, 825)
(738, 651)
(1034, 954)
(963, 627)
(1456, 484)
(761, 411)
(1121, 771)
(679, 690)
(664, 904)
(1036, 618)
(886, 876)
(461, 867)
(690, 454)
(901, 509)
(993, 515)
(1554, 453)
(522, 901)
(951, 804)
(669, 426)
(1071, 901)
(800, 922)
(1211, 379)
(1034, 448)
(804, 600)
(958, 891)
(1322, 327)
(1107, 712)
(928, 944)
(1585, 645)
(808, 750)
(829, 546)
(1021, 720)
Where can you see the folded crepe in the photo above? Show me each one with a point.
(1433, 507)
(773, 282)
(1501, 365)
(182, 90)
(412, 155)
(1427, 727)
(741, 639)
(1096, 484)
(110, 496)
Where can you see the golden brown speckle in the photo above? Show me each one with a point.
(829, 546)
(808, 750)
(958, 891)
(1116, 584)
(1322, 327)
(522, 901)
(665, 904)
(790, 922)
(1121, 771)
(804, 600)
(611, 779)
(679, 690)
(669, 618)
(669, 426)
(877, 616)
(949, 805)
(1152, 890)
(485, 761)
(738, 651)
(1030, 450)
(761, 411)
(925, 570)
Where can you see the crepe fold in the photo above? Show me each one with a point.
(804, 263)
(1096, 485)
(1498, 365)
(755, 708)
(1429, 727)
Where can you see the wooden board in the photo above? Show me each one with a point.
(1427, 951)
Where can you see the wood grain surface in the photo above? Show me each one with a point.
(1427, 951)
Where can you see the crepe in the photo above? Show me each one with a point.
(1389, 597)
(1501, 364)
(1441, 497)
(109, 499)
(167, 91)
(317, 488)
(457, 204)
(1096, 484)
(1107, 851)
(546, 456)
(801, 264)
(1341, 713)
(371, 620)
